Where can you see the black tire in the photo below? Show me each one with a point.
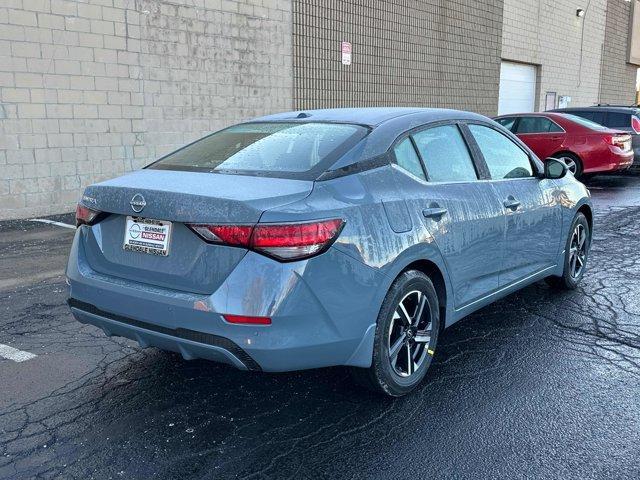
(571, 159)
(384, 376)
(568, 280)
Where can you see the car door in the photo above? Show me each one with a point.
(462, 214)
(541, 135)
(531, 205)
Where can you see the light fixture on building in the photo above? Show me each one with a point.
(580, 12)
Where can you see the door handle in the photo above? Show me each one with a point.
(511, 203)
(434, 212)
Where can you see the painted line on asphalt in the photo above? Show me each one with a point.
(51, 222)
(14, 354)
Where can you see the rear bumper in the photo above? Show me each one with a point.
(322, 312)
(615, 162)
(190, 343)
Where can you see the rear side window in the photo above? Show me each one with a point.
(585, 123)
(618, 120)
(597, 117)
(507, 122)
(537, 125)
(407, 158)
(271, 149)
(445, 154)
(504, 158)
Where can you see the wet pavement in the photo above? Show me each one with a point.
(541, 384)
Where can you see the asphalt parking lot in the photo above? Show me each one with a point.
(540, 384)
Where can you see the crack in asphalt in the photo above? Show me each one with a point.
(104, 408)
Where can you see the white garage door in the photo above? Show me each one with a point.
(517, 88)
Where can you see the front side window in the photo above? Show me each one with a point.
(537, 125)
(504, 158)
(445, 154)
(407, 158)
(272, 149)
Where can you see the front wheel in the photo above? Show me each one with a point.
(575, 256)
(406, 336)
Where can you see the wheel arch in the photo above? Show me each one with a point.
(586, 210)
(433, 271)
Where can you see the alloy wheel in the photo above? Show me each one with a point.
(570, 163)
(578, 251)
(410, 333)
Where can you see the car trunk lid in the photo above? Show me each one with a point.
(180, 198)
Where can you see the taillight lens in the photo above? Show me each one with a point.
(85, 216)
(291, 241)
(623, 142)
(635, 124)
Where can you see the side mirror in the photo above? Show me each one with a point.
(554, 168)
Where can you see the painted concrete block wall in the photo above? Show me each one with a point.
(581, 57)
(617, 77)
(430, 53)
(92, 89)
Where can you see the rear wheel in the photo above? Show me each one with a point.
(573, 163)
(406, 336)
(575, 257)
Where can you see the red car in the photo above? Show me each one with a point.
(585, 146)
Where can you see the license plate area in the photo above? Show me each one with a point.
(146, 235)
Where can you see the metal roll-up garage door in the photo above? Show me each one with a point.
(517, 88)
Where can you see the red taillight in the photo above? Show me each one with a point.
(236, 235)
(623, 142)
(635, 124)
(283, 241)
(84, 215)
(246, 320)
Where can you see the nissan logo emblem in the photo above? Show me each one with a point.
(137, 203)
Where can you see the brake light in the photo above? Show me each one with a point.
(635, 124)
(623, 142)
(291, 241)
(85, 216)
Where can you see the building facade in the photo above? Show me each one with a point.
(91, 89)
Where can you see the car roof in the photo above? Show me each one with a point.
(599, 108)
(370, 116)
(534, 114)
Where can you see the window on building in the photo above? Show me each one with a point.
(407, 158)
(445, 154)
(504, 158)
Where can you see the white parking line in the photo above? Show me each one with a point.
(51, 222)
(14, 354)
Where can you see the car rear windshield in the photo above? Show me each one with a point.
(289, 150)
(585, 123)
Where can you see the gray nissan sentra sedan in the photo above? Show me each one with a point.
(331, 237)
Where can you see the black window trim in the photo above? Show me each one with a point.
(537, 167)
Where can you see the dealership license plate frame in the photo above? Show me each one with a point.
(154, 247)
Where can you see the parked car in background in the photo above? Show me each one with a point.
(619, 117)
(330, 237)
(584, 146)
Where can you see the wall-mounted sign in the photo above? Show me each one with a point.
(564, 101)
(345, 47)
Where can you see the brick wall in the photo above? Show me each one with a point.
(89, 90)
(617, 77)
(405, 52)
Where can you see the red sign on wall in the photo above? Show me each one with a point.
(346, 53)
